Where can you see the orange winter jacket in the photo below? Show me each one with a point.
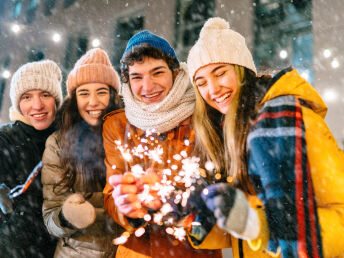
(155, 242)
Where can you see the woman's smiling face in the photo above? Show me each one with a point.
(92, 99)
(218, 85)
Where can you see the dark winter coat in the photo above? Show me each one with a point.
(22, 232)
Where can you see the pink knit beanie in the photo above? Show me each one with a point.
(93, 67)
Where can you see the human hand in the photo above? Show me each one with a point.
(148, 192)
(6, 204)
(78, 212)
(125, 195)
(232, 210)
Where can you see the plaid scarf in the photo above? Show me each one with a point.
(279, 168)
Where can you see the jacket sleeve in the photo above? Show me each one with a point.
(52, 173)
(115, 164)
(4, 159)
(282, 169)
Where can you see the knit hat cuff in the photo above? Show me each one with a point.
(212, 57)
(92, 73)
(32, 81)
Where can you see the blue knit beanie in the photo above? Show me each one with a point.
(146, 36)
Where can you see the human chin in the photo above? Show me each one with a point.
(92, 121)
(43, 124)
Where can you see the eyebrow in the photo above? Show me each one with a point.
(212, 71)
(81, 90)
(103, 88)
(152, 70)
(86, 90)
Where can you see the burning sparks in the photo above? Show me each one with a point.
(170, 180)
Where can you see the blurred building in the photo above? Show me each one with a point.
(307, 34)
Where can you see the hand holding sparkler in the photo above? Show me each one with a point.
(148, 183)
(125, 195)
(232, 210)
(6, 203)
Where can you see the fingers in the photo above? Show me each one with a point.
(215, 189)
(149, 179)
(124, 189)
(153, 204)
(130, 206)
(126, 193)
(127, 178)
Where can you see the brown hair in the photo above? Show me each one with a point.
(81, 151)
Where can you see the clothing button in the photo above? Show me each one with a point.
(162, 137)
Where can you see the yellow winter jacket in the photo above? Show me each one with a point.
(326, 162)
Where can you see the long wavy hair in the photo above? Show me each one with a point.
(227, 150)
(81, 146)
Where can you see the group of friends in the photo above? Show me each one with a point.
(276, 187)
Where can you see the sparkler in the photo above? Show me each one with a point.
(169, 185)
(20, 189)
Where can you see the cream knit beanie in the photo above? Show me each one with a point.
(43, 75)
(93, 67)
(217, 43)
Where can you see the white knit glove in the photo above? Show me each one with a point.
(78, 212)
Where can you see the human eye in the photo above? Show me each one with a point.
(82, 93)
(159, 72)
(135, 78)
(25, 97)
(103, 92)
(220, 73)
(46, 95)
(200, 83)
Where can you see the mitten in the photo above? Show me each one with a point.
(6, 204)
(232, 210)
(78, 212)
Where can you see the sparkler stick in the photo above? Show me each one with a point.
(20, 189)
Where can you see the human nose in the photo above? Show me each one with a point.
(37, 103)
(148, 84)
(213, 86)
(93, 100)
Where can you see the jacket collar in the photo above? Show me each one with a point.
(290, 82)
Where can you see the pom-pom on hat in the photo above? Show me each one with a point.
(42, 75)
(217, 43)
(147, 37)
(93, 67)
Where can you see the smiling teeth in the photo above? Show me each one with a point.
(94, 113)
(40, 115)
(152, 95)
(221, 99)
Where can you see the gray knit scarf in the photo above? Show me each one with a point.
(178, 105)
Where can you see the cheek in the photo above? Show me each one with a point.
(80, 104)
(23, 107)
(134, 89)
(203, 93)
(52, 106)
(106, 100)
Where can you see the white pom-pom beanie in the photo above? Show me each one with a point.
(217, 43)
(42, 75)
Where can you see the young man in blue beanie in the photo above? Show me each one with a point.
(159, 102)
